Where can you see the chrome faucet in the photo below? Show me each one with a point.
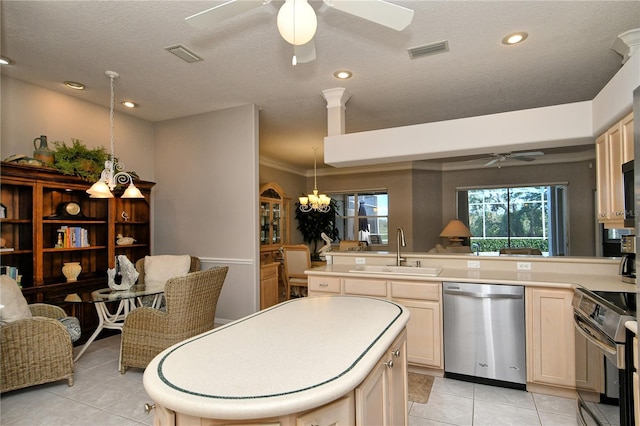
(401, 242)
(476, 247)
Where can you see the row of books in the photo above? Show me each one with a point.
(72, 236)
(12, 271)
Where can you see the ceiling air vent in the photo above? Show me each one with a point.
(428, 49)
(184, 53)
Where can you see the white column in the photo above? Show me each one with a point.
(336, 100)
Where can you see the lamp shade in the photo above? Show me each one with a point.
(297, 22)
(99, 190)
(455, 229)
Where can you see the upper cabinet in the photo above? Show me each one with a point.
(274, 220)
(613, 148)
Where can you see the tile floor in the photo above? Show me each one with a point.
(103, 396)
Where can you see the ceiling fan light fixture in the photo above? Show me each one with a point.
(74, 85)
(297, 22)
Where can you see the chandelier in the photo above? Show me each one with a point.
(314, 201)
(113, 173)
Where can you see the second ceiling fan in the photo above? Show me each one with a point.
(297, 21)
(520, 156)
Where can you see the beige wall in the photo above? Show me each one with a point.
(206, 198)
(29, 111)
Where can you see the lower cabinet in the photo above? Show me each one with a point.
(550, 337)
(382, 397)
(268, 285)
(337, 413)
(589, 365)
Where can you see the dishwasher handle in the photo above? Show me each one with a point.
(482, 295)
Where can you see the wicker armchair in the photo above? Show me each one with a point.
(191, 310)
(35, 350)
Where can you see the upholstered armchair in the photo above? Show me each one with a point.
(35, 350)
(190, 310)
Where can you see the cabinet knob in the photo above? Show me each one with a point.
(323, 285)
(396, 353)
(148, 407)
(389, 363)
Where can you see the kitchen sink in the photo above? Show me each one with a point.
(398, 270)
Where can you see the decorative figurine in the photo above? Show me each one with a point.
(124, 275)
(125, 216)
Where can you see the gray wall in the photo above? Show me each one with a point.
(206, 198)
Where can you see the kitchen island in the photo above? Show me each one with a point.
(335, 359)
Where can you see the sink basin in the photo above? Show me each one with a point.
(398, 270)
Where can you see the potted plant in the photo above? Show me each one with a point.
(313, 223)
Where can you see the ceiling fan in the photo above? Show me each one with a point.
(520, 156)
(297, 21)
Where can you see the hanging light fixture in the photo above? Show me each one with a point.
(314, 201)
(108, 179)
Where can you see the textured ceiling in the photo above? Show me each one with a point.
(567, 58)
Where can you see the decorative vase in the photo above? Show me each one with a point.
(71, 270)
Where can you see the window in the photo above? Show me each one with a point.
(518, 217)
(363, 216)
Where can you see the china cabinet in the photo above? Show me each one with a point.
(50, 220)
(274, 221)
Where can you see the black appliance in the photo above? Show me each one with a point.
(628, 262)
(629, 207)
(600, 317)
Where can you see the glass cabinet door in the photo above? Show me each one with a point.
(265, 213)
(277, 229)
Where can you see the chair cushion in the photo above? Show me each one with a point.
(72, 324)
(161, 268)
(13, 305)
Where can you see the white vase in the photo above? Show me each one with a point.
(71, 270)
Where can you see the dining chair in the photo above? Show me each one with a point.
(296, 260)
(190, 310)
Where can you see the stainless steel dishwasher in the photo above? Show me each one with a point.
(484, 333)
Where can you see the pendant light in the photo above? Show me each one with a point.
(322, 202)
(108, 179)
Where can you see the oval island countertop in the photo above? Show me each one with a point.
(292, 357)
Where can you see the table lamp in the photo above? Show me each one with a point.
(455, 231)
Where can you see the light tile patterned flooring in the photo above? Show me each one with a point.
(103, 396)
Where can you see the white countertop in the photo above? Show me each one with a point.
(292, 357)
(592, 282)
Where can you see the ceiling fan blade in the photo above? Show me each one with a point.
(217, 14)
(305, 53)
(519, 158)
(378, 11)
(526, 154)
(495, 160)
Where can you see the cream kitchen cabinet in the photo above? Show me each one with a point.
(382, 397)
(613, 148)
(422, 299)
(550, 337)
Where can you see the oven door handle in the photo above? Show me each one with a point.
(591, 335)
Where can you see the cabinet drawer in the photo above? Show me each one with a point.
(324, 284)
(415, 290)
(365, 287)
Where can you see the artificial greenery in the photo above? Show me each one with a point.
(313, 223)
(78, 160)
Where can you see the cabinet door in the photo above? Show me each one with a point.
(372, 404)
(602, 171)
(424, 332)
(398, 392)
(550, 337)
(616, 185)
(589, 365)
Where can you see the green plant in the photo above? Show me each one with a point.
(313, 223)
(78, 160)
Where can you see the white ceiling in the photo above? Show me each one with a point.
(567, 58)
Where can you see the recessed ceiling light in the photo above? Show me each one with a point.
(515, 38)
(129, 104)
(6, 61)
(74, 85)
(343, 74)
